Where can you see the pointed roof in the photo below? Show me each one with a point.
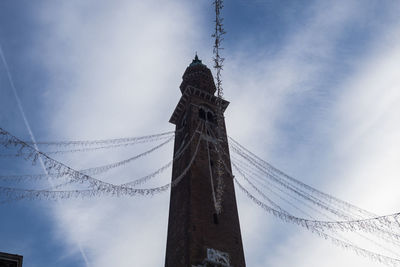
(196, 61)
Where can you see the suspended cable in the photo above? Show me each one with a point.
(219, 32)
(101, 141)
(99, 187)
(261, 182)
(91, 171)
(180, 152)
(269, 186)
(316, 230)
(291, 187)
(272, 203)
(145, 178)
(87, 149)
(216, 206)
(314, 190)
(371, 224)
(53, 166)
(218, 66)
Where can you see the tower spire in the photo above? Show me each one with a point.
(196, 60)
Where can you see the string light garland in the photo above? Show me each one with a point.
(89, 171)
(386, 226)
(320, 227)
(326, 196)
(100, 141)
(97, 187)
(90, 149)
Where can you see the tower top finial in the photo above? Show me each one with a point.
(196, 61)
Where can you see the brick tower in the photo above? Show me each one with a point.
(203, 226)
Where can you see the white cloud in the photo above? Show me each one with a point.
(350, 145)
(124, 66)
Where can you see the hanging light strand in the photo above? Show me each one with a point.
(101, 188)
(326, 196)
(218, 35)
(271, 188)
(89, 171)
(288, 186)
(178, 154)
(101, 141)
(384, 226)
(90, 149)
(317, 229)
(374, 225)
(389, 261)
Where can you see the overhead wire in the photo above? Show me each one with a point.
(98, 187)
(88, 149)
(91, 171)
(101, 141)
(268, 186)
(320, 230)
(382, 224)
(330, 198)
(360, 251)
(216, 207)
(316, 229)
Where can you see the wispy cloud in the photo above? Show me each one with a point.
(123, 65)
(323, 115)
(322, 106)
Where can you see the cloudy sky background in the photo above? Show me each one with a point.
(313, 86)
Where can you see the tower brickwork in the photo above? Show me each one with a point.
(198, 234)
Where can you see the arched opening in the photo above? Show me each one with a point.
(210, 117)
(202, 114)
(215, 216)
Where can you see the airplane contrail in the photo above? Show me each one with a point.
(28, 127)
(21, 109)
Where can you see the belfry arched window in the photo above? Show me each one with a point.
(202, 114)
(210, 117)
(207, 114)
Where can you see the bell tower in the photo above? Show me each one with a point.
(203, 225)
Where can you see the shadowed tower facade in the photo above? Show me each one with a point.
(203, 226)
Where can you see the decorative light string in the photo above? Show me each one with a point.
(97, 187)
(101, 141)
(90, 171)
(219, 169)
(219, 32)
(177, 155)
(387, 226)
(88, 149)
(216, 206)
(55, 167)
(326, 196)
(218, 66)
(317, 229)
(271, 188)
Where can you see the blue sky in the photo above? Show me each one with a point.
(313, 87)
